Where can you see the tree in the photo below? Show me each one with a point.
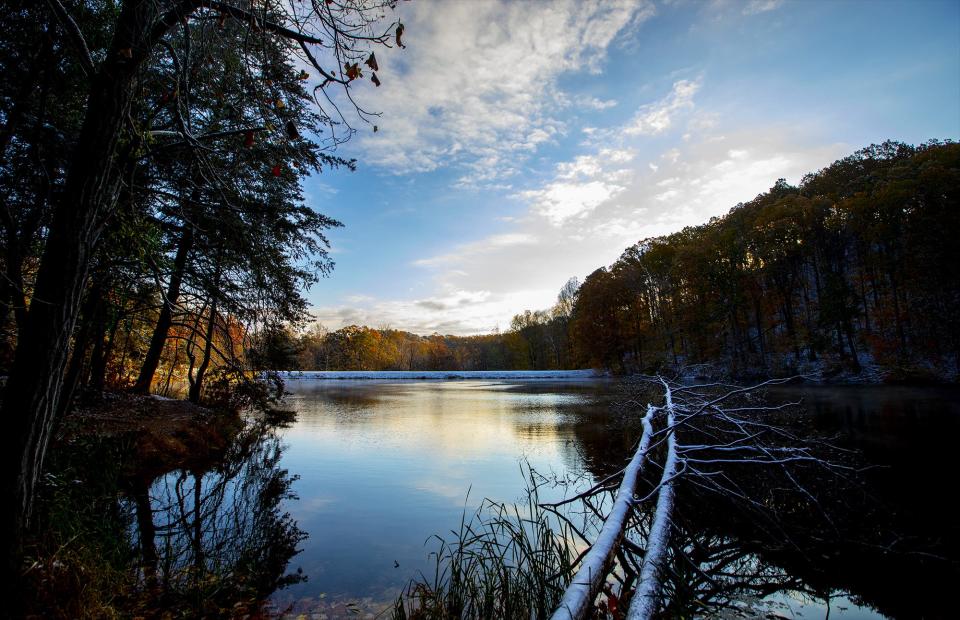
(848, 268)
(117, 126)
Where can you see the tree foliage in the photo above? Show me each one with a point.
(151, 159)
(853, 269)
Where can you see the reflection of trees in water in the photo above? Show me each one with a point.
(216, 542)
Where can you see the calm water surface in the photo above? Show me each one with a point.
(383, 465)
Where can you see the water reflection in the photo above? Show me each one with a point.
(385, 465)
(214, 540)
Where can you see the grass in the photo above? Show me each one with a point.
(506, 561)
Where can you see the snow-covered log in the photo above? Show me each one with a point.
(646, 599)
(586, 585)
(731, 429)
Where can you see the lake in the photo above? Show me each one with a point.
(385, 464)
(378, 466)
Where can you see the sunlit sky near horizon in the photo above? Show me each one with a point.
(524, 143)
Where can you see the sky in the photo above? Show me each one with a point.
(525, 143)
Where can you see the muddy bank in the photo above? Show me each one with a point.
(158, 434)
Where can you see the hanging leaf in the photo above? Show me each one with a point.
(375, 129)
(276, 170)
(353, 71)
(304, 76)
(399, 34)
(372, 62)
(375, 79)
(248, 139)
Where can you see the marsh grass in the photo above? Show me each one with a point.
(510, 561)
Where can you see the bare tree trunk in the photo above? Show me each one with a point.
(578, 599)
(197, 386)
(173, 367)
(646, 600)
(152, 359)
(102, 349)
(36, 378)
(93, 320)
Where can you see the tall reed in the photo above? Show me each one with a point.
(510, 561)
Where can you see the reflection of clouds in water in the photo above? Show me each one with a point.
(316, 504)
(394, 463)
(454, 422)
(448, 489)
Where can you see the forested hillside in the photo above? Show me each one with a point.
(852, 272)
(854, 269)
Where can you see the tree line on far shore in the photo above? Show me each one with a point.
(535, 341)
(853, 269)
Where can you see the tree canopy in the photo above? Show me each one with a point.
(151, 159)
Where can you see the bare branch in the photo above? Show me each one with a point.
(75, 35)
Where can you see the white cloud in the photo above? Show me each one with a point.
(592, 103)
(761, 6)
(477, 84)
(584, 165)
(524, 266)
(580, 186)
(560, 201)
(655, 118)
(670, 194)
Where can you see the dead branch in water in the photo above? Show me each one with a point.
(706, 433)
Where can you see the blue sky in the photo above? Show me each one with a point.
(524, 143)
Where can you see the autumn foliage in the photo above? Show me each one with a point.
(852, 271)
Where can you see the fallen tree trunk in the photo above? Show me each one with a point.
(646, 599)
(586, 585)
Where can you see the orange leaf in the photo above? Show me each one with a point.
(353, 71)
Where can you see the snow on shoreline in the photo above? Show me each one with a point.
(433, 375)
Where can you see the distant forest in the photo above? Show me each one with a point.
(855, 271)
